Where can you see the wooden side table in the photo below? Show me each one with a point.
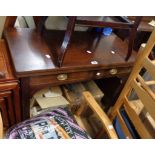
(9, 91)
(33, 59)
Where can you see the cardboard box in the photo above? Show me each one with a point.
(43, 104)
(47, 99)
(46, 92)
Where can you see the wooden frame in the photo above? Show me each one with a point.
(144, 93)
(135, 72)
(133, 108)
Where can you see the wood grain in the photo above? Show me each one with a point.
(146, 99)
(150, 67)
(139, 126)
(136, 69)
(123, 126)
(9, 90)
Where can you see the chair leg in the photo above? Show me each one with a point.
(132, 37)
(66, 41)
(40, 26)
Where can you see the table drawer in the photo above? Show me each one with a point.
(112, 72)
(63, 78)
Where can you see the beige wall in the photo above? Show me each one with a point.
(2, 20)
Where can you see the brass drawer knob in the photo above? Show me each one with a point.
(113, 71)
(62, 77)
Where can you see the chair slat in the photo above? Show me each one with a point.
(137, 105)
(150, 82)
(136, 69)
(147, 100)
(123, 126)
(150, 66)
(144, 85)
(153, 61)
(150, 119)
(139, 126)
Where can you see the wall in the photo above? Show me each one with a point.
(2, 20)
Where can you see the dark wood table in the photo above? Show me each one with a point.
(89, 57)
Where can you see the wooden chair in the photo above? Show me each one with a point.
(141, 111)
(1, 127)
(119, 22)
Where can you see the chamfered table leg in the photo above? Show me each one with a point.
(25, 98)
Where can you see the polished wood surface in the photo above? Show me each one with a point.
(30, 52)
(5, 68)
(9, 90)
(100, 46)
(33, 56)
(115, 22)
(10, 21)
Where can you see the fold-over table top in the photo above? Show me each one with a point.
(32, 53)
